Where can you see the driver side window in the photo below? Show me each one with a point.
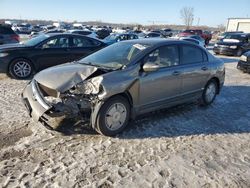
(165, 56)
(61, 42)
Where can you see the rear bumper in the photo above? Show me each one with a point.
(244, 66)
(4, 65)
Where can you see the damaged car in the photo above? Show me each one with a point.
(116, 84)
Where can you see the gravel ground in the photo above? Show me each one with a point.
(185, 146)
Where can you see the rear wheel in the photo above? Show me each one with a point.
(209, 93)
(21, 68)
(113, 117)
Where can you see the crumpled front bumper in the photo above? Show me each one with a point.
(38, 109)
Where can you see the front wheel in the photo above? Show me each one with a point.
(113, 116)
(209, 93)
(21, 68)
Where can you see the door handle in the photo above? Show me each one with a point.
(204, 68)
(176, 73)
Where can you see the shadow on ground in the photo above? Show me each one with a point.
(228, 114)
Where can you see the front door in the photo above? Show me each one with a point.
(164, 84)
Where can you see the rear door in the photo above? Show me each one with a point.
(53, 51)
(81, 46)
(195, 69)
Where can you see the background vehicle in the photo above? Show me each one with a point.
(21, 60)
(223, 35)
(7, 35)
(153, 35)
(117, 85)
(113, 38)
(168, 32)
(233, 44)
(23, 28)
(244, 62)
(84, 32)
(193, 40)
(205, 35)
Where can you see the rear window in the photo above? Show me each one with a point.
(6, 30)
(191, 54)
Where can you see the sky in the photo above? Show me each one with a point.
(206, 12)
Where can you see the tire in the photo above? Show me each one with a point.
(209, 93)
(239, 52)
(113, 116)
(21, 68)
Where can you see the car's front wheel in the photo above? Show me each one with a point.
(209, 93)
(21, 68)
(113, 116)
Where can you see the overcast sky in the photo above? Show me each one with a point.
(208, 12)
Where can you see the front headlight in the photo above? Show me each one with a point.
(243, 58)
(215, 45)
(3, 54)
(233, 47)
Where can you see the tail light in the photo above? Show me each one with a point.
(15, 37)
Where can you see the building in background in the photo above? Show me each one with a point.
(238, 24)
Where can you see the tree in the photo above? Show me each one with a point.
(187, 16)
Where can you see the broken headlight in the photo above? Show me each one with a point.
(86, 88)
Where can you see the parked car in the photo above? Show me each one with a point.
(193, 40)
(223, 35)
(123, 80)
(23, 28)
(153, 35)
(84, 32)
(37, 28)
(205, 35)
(168, 32)
(22, 60)
(234, 44)
(103, 33)
(201, 41)
(244, 62)
(113, 38)
(7, 35)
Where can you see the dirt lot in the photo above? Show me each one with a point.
(185, 146)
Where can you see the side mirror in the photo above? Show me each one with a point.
(150, 67)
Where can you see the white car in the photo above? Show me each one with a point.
(84, 32)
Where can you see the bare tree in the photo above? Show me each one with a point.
(187, 16)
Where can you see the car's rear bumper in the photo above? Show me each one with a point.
(4, 65)
(244, 66)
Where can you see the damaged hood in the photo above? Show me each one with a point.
(63, 77)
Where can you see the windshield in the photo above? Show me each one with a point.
(236, 37)
(36, 40)
(114, 56)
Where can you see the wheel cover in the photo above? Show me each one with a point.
(210, 92)
(22, 69)
(115, 116)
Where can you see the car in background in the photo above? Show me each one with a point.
(233, 44)
(223, 35)
(204, 34)
(193, 40)
(37, 28)
(84, 32)
(23, 28)
(197, 37)
(116, 37)
(103, 32)
(112, 86)
(153, 35)
(244, 62)
(7, 35)
(168, 32)
(22, 60)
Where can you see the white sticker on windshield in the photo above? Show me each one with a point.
(139, 46)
